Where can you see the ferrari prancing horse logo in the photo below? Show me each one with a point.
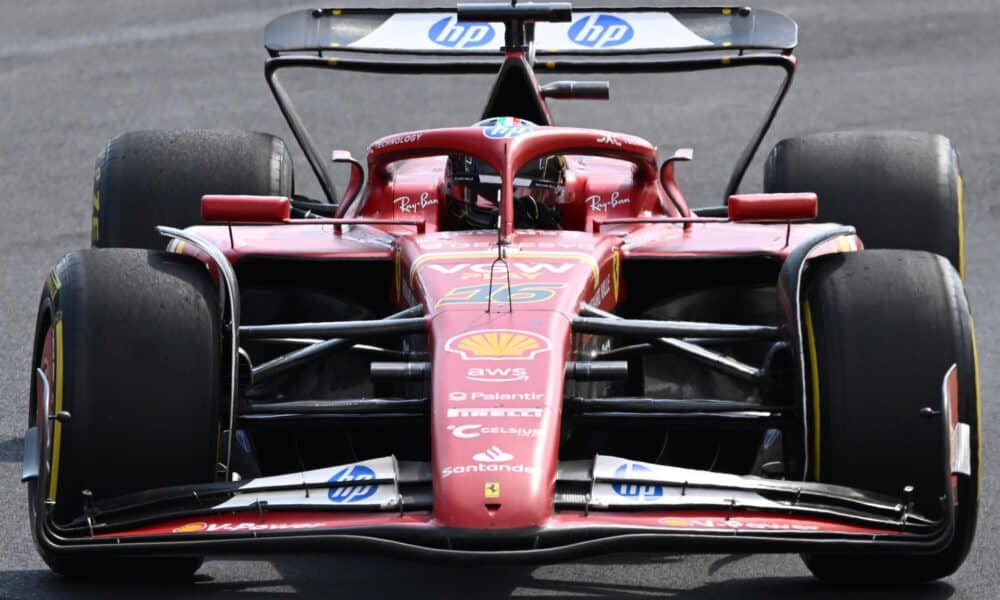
(492, 490)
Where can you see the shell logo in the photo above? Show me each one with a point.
(674, 522)
(498, 344)
(191, 528)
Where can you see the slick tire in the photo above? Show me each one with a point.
(881, 329)
(149, 178)
(899, 189)
(129, 344)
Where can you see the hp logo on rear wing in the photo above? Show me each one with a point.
(601, 31)
(448, 32)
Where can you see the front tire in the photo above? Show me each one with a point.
(882, 328)
(128, 341)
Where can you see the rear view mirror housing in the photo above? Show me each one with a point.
(783, 208)
(225, 208)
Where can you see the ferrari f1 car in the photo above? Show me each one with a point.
(511, 340)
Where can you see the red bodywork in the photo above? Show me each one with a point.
(500, 304)
(498, 375)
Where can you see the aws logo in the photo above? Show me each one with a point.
(497, 375)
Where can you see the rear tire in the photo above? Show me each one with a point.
(129, 340)
(899, 189)
(882, 328)
(149, 178)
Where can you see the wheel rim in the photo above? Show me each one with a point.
(44, 400)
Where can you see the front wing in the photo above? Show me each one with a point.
(603, 505)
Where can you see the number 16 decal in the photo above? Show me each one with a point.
(519, 293)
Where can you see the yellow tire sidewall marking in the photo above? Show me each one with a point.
(961, 228)
(814, 376)
(979, 409)
(57, 426)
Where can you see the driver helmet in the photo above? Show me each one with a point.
(537, 186)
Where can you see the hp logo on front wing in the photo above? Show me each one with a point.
(354, 493)
(635, 491)
(601, 31)
(450, 33)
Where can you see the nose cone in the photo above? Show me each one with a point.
(499, 340)
(497, 393)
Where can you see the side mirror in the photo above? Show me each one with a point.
(354, 184)
(773, 207)
(245, 209)
(667, 168)
(577, 90)
(668, 179)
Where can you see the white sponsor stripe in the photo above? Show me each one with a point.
(617, 494)
(384, 468)
(384, 496)
(457, 413)
(650, 30)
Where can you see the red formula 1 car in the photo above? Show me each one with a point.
(512, 340)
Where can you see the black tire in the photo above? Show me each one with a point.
(899, 189)
(160, 569)
(134, 358)
(149, 178)
(882, 328)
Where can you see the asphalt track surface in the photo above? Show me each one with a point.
(73, 74)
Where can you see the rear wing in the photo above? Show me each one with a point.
(484, 37)
(592, 31)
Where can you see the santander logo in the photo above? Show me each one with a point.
(492, 455)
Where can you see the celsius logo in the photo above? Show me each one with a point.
(636, 491)
(450, 33)
(354, 493)
(601, 31)
(474, 431)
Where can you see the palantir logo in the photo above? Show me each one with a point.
(448, 32)
(637, 491)
(601, 31)
(354, 493)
